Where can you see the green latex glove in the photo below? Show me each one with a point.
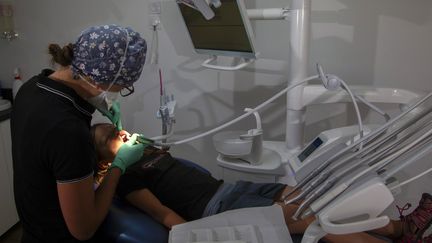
(129, 153)
(114, 115)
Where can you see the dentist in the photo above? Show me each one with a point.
(53, 155)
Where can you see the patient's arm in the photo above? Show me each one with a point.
(146, 201)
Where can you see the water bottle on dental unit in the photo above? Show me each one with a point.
(17, 83)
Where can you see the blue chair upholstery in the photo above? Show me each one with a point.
(127, 224)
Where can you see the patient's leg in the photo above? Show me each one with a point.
(352, 238)
(393, 230)
(294, 226)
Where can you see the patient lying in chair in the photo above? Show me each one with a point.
(173, 193)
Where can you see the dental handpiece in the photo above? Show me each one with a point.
(304, 181)
(317, 181)
(318, 193)
(312, 177)
(144, 140)
(309, 188)
(343, 186)
(370, 137)
(318, 205)
(331, 182)
(317, 171)
(324, 175)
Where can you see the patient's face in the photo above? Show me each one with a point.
(108, 140)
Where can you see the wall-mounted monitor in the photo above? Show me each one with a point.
(228, 33)
(199, 5)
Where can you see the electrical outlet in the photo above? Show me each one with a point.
(155, 8)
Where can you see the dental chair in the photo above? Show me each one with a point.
(127, 224)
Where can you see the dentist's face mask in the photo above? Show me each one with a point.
(103, 101)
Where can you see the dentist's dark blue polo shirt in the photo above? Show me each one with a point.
(51, 144)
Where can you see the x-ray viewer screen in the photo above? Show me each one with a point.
(226, 31)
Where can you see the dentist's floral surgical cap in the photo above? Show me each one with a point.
(109, 53)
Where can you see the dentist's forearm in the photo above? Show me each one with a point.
(105, 193)
(83, 208)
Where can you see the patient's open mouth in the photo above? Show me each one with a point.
(124, 137)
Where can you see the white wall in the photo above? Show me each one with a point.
(383, 43)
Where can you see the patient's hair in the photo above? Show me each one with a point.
(101, 166)
(100, 172)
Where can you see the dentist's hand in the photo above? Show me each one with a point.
(114, 115)
(129, 153)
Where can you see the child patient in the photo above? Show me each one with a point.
(172, 193)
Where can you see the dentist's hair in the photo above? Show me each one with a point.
(59, 55)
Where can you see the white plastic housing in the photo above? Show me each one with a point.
(229, 144)
(370, 198)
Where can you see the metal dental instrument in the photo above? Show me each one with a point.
(326, 174)
(405, 138)
(331, 182)
(422, 151)
(419, 153)
(379, 154)
(383, 152)
(322, 177)
(369, 137)
(321, 190)
(326, 185)
(308, 189)
(413, 155)
(329, 196)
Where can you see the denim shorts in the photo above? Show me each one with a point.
(243, 194)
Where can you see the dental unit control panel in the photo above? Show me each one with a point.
(321, 148)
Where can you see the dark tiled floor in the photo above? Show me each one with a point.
(13, 235)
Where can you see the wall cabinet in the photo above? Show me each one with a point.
(8, 214)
